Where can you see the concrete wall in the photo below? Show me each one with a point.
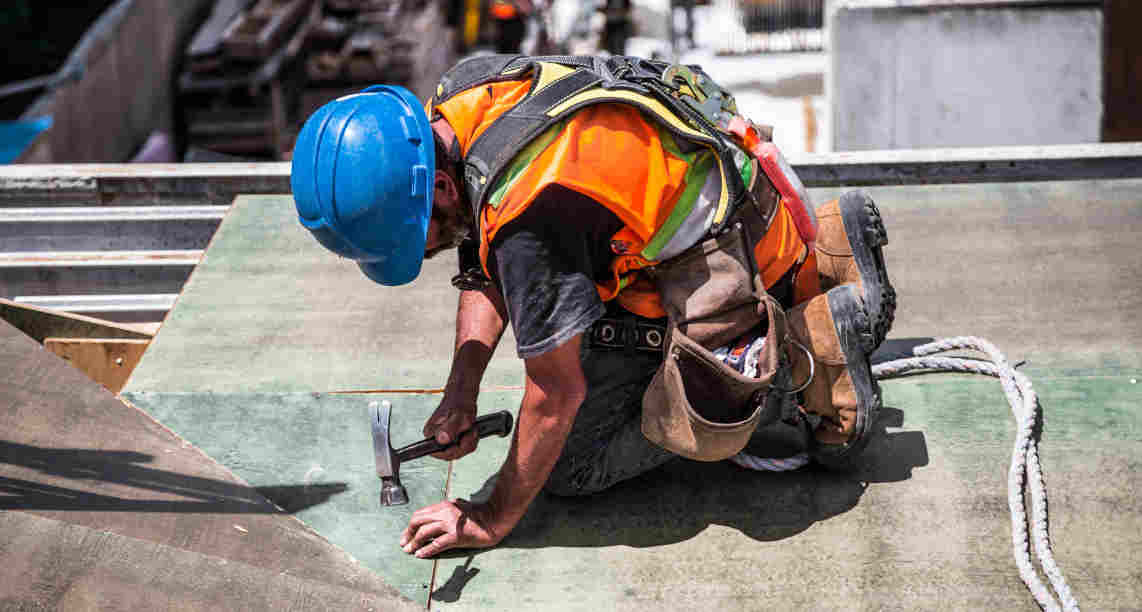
(943, 74)
(128, 58)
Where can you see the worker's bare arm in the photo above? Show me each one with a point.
(555, 388)
(480, 320)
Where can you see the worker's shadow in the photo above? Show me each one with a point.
(682, 498)
(89, 480)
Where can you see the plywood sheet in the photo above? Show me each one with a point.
(269, 309)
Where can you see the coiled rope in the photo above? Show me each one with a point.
(1025, 468)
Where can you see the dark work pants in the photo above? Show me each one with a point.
(606, 444)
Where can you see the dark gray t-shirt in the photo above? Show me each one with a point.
(546, 262)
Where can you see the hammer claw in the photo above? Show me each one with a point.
(388, 464)
(388, 460)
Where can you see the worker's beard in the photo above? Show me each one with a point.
(454, 227)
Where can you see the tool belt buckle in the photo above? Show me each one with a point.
(627, 333)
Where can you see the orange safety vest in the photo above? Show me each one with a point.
(612, 154)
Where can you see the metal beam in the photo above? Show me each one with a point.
(111, 214)
(983, 165)
(138, 184)
(156, 302)
(166, 184)
(91, 259)
(108, 228)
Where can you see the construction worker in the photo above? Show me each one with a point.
(593, 215)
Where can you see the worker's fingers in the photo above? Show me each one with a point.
(440, 544)
(468, 442)
(458, 421)
(424, 535)
(437, 419)
(421, 517)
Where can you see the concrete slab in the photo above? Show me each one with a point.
(924, 526)
(62, 566)
(1047, 271)
(104, 508)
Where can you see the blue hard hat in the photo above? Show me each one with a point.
(362, 176)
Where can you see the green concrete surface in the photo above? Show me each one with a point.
(924, 525)
(1049, 272)
(320, 440)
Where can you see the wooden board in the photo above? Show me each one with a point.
(39, 323)
(107, 361)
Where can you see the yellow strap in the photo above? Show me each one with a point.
(549, 73)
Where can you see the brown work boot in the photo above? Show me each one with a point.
(842, 391)
(850, 235)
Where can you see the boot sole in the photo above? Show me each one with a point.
(852, 325)
(864, 228)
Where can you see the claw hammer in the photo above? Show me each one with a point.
(389, 461)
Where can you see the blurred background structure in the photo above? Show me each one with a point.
(197, 80)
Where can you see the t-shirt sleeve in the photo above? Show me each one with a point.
(546, 261)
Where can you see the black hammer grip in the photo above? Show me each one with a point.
(497, 423)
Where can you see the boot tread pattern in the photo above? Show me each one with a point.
(859, 211)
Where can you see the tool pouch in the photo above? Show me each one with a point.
(696, 406)
(700, 408)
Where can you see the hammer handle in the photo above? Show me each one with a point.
(497, 423)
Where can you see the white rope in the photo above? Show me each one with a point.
(1025, 467)
(762, 464)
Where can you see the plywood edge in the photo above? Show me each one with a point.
(41, 323)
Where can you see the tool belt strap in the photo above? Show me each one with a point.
(627, 333)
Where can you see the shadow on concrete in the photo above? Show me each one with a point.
(682, 498)
(449, 592)
(897, 348)
(121, 471)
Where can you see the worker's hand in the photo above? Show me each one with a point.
(449, 524)
(453, 419)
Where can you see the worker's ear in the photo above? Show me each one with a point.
(447, 192)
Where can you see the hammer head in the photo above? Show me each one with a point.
(388, 464)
